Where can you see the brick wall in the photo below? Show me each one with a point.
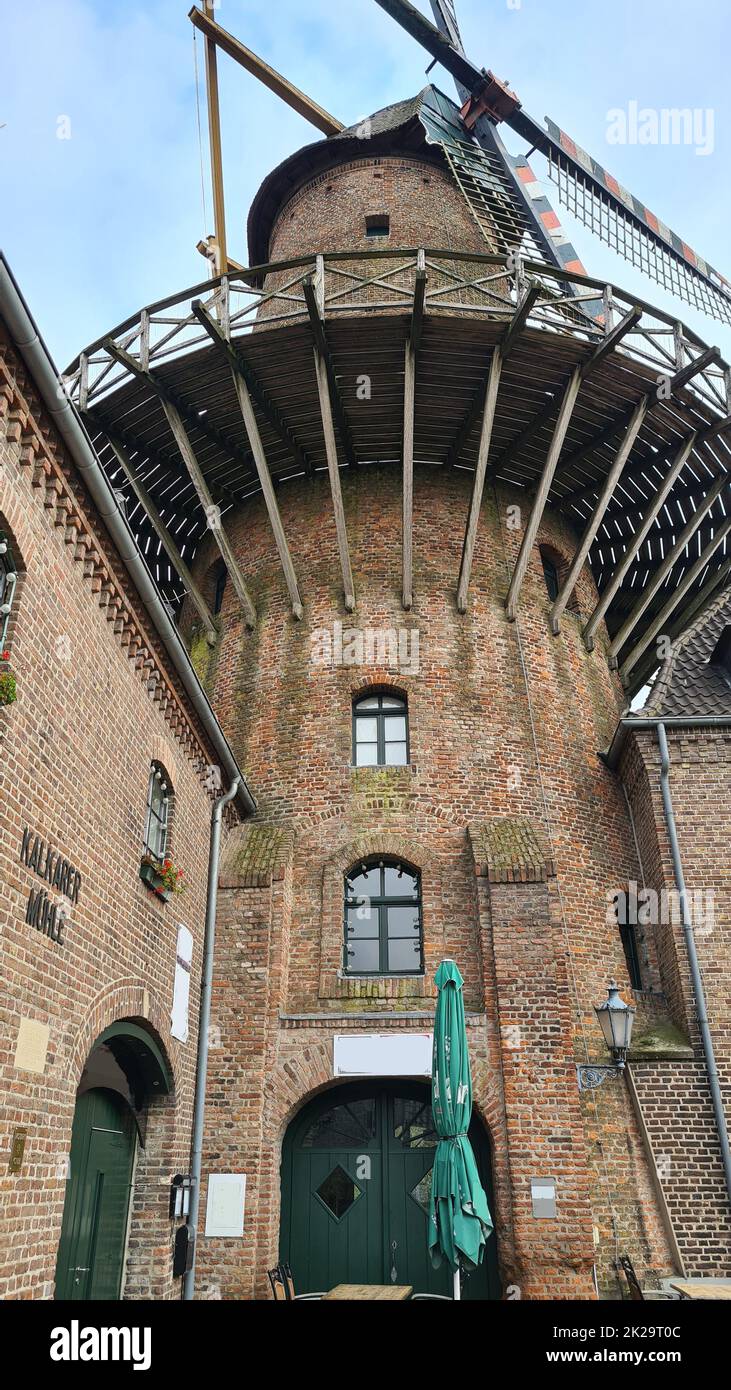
(675, 1095)
(95, 704)
(475, 736)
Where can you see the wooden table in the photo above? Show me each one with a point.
(370, 1292)
(702, 1288)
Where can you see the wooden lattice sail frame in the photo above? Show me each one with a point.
(247, 383)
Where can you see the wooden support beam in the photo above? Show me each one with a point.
(187, 413)
(413, 341)
(214, 138)
(506, 343)
(323, 391)
(322, 350)
(519, 320)
(637, 539)
(544, 487)
(417, 311)
(611, 341)
(595, 520)
(678, 594)
(216, 527)
(272, 79)
(478, 483)
(606, 346)
(257, 449)
(269, 410)
(659, 393)
(146, 502)
(642, 673)
(668, 564)
(407, 596)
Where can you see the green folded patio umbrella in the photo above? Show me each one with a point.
(459, 1217)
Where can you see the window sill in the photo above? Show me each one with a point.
(336, 985)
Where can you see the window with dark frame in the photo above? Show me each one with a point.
(383, 927)
(378, 224)
(159, 794)
(8, 580)
(380, 731)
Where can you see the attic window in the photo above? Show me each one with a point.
(379, 224)
(721, 655)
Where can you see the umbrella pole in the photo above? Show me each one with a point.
(457, 1290)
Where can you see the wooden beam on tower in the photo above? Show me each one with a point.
(507, 342)
(413, 341)
(299, 101)
(602, 350)
(195, 473)
(595, 520)
(637, 539)
(541, 497)
(478, 483)
(678, 594)
(260, 397)
(322, 351)
(212, 512)
(642, 672)
(668, 564)
(214, 139)
(147, 504)
(218, 337)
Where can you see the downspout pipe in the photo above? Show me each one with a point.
(24, 333)
(698, 990)
(209, 942)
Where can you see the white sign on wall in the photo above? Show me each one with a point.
(382, 1054)
(181, 988)
(225, 1204)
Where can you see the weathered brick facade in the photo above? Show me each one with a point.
(96, 703)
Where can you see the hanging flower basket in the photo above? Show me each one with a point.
(8, 687)
(162, 878)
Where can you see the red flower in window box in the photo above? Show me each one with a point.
(162, 877)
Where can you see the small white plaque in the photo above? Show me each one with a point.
(181, 988)
(31, 1046)
(225, 1204)
(382, 1054)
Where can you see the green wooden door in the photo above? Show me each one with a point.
(356, 1172)
(91, 1249)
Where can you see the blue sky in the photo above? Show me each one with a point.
(101, 223)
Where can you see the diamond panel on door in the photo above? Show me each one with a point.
(339, 1192)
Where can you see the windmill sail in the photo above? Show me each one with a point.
(584, 187)
(629, 228)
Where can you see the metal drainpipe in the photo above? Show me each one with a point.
(700, 998)
(209, 941)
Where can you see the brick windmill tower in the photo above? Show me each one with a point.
(423, 497)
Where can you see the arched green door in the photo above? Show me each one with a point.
(91, 1251)
(356, 1176)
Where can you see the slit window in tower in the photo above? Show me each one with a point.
(383, 932)
(380, 732)
(378, 224)
(628, 933)
(550, 574)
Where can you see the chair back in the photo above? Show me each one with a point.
(288, 1282)
(635, 1288)
(278, 1285)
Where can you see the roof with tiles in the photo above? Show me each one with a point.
(691, 682)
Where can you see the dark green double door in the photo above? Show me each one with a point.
(356, 1179)
(91, 1251)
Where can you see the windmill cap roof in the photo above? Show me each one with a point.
(393, 127)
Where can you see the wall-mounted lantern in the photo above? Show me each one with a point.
(616, 1019)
